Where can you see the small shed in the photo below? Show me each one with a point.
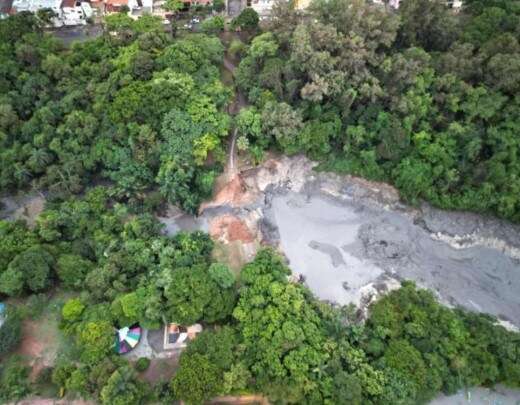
(177, 336)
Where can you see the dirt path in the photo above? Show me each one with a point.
(244, 399)
(234, 108)
(231, 164)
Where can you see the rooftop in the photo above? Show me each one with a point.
(35, 5)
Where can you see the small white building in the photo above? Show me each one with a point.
(34, 5)
(455, 4)
(68, 12)
(75, 12)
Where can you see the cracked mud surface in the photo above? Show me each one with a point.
(351, 239)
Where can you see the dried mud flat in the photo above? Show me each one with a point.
(352, 239)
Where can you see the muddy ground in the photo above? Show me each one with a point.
(352, 239)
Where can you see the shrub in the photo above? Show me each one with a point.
(31, 269)
(14, 380)
(10, 332)
(197, 379)
(142, 364)
(221, 274)
(72, 270)
(247, 20)
(213, 25)
(237, 48)
(72, 310)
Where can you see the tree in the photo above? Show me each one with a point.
(429, 24)
(247, 20)
(220, 347)
(213, 25)
(197, 379)
(72, 310)
(221, 274)
(173, 5)
(16, 238)
(34, 267)
(191, 295)
(281, 331)
(184, 184)
(219, 5)
(122, 388)
(10, 332)
(72, 270)
(12, 282)
(45, 16)
(282, 123)
(96, 340)
(14, 380)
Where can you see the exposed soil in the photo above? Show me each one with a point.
(39, 344)
(244, 399)
(22, 207)
(228, 228)
(44, 401)
(161, 369)
(233, 193)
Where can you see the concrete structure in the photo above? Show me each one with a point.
(75, 12)
(455, 4)
(5, 8)
(34, 5)
(177, 336)
(68, 12)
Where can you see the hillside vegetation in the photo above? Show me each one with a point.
(423, 98)
(114, 127)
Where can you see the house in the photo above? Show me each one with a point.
(5, 8)
(455, 4)
(75, 12)
(177, 336)
(34, 5)
(136, 7)
(113, 6)
(67, 12)
(140, 7)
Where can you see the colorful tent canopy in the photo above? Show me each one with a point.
(127, 338)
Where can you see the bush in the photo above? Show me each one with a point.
(72, 310)
(35, 305)
(247, 20)
(197, 379)
(72, 270)
(142, 364)
(237, 48)
(31, 269)
(213, 25)
(10, 332)
(14, 380)
(219, 5)
(221, 275)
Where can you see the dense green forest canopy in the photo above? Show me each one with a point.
(263, 333)
(421, 97)
(134, 106)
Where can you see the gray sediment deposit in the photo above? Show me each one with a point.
(352, 240)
